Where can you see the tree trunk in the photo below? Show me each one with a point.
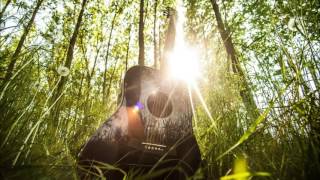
(78, 98)
(111, 77)
(16, 53)
(106, 59)
(159, 44)
(127, 53)
(141, 36)
(69, 57)
(4, 9)
(169, 40)
(86, 108)
(155, 53)
(246, 93)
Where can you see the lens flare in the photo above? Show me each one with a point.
(137, 107)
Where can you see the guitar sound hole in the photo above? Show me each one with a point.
(159, 105)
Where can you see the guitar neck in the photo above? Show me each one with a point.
(169, 40)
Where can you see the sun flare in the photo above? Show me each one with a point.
(183, 63)
(184, 59)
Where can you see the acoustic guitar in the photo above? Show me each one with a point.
(149, 135)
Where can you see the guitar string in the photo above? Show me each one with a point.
(169, 101)
(151, 124)
(156, 130)
(154, 135)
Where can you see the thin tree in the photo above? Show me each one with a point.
(107, 56)
(128, 48)
(90, 73)
(18, 49)
(4, 9)
(69, 57)
(155, 53)
(141, 36)
(112, 77)
(246, 93)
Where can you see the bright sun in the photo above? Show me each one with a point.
(183, 60)
(183, 63)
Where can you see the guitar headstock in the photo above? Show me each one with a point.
(169, 12)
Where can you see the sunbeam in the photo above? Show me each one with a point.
(193, 109)
(203, 103)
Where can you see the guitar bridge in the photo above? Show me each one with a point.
(154, 147)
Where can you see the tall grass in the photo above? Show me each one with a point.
(280, 144)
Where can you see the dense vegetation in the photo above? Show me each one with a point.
(61, 65)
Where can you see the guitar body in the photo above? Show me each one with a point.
(150, 131)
